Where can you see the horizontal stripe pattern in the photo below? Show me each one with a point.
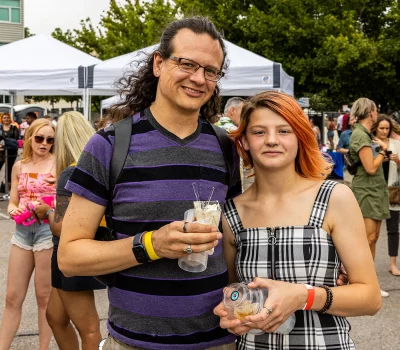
(172, 287)
(176, 155)
(166, 190)
(168, 306)
(180, 325)
(205, 343)
(194, 338)
(154, 189)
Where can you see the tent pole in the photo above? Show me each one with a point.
(12, 100)
(89, 99)
(84, 103)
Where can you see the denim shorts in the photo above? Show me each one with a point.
(34, 237)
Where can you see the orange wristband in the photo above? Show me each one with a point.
(310, 297)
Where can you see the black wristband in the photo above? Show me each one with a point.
(139, 250)
(329, 300)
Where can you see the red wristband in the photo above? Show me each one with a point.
(310, 297)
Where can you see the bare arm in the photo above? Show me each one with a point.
(56, 217)
(342, 150)
(370, 164)
(81, 255)
(362, 295)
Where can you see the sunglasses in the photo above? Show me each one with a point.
(40, 139)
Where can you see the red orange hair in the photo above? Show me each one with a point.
(309, 162)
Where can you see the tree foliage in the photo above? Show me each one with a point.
(123, 29)
(27, 32)
(50, 99)
(338, 50)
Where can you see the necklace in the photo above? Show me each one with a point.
(34, 163)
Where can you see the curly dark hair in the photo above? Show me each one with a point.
(138, 88)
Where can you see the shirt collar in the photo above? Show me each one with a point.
(363, 128)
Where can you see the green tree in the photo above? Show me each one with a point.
(27, 33)
(72, 99)
(336, 50)
(123, 29)
(333, 48)
(50, 99)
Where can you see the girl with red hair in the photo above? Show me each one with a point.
(290, 232)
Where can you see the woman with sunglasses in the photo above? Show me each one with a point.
(32, 178)
(71, 299)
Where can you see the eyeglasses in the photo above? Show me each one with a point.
(191, 67)
(40, 139)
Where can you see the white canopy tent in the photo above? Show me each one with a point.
(108, 102)
(108, 72)
(42, 65)
(248, 73)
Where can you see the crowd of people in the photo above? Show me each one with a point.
(372, 141)
(288, 230)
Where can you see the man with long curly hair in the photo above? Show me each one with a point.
(153, 303)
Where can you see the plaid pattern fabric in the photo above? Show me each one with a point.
(296, 254)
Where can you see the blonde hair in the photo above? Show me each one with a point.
(362, 108)
(29, 135)
(73, 131)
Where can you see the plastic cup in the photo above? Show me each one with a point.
(195, 262)
(242, 301)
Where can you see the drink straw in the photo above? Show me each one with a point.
(209, 198)
(196, 192)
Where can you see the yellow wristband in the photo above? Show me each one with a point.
(149, 246)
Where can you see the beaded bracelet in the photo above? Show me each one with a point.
(329, 299)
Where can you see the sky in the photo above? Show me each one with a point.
(43, 16)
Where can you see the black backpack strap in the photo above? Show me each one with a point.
(232, 161)
(122, 139)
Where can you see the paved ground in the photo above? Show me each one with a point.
(379, 332)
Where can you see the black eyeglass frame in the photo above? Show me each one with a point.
(219, 73)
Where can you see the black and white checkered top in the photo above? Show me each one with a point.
(297, 254)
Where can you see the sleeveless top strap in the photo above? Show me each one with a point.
(232, 216)
(52, 167)
(321, 203)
